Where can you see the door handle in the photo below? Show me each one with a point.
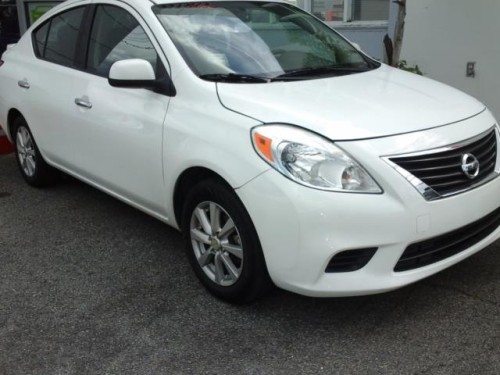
(83, 102)
(24, 84)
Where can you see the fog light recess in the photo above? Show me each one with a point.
(350, 260)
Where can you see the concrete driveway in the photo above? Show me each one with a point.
(89, 285)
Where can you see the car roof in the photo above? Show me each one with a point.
(161, 2)
(139, 3)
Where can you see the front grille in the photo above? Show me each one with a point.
(350, 260)
(441, 170)
(438, 248)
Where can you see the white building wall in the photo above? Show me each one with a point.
(441, 36)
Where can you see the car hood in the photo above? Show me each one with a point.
(377, 103)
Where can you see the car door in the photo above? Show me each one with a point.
(45, 80)
(117, 136)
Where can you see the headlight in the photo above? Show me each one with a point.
(311, 160)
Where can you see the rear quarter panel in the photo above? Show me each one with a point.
(8, 86)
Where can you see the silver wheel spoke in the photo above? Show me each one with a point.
(206, 257)
(227, 229)
(231, 268)
(20, 138)
(236, 250)
(199, 236)
(20, 145)
(26, 137)
(219, 271)
(30, 163)
(202, 218)
(214, 217)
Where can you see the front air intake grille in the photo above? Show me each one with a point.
(441, 171)
(438, 248)
(350, 260)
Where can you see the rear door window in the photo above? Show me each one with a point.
(56, 40)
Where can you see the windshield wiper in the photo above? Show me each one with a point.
(233, 77)
(320, 71)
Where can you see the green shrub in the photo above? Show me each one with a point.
(403, 65)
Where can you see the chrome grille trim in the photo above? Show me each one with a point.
(434, 191)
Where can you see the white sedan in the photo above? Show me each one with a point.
(283, 153)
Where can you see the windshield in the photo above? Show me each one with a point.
(257, 41)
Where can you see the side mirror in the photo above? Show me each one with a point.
(132, 73)
(138, 73)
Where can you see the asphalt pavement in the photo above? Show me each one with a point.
(89, 285)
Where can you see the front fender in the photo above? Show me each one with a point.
(208, 136)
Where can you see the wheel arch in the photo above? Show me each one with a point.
(12, 115)
(187, 179)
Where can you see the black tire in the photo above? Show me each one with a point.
(253, 281)
(38, 173)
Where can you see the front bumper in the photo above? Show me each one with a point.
(301, 229)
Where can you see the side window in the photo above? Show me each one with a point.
(116, 35)
(56, 39)
(41, 39)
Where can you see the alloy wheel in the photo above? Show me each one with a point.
(216, 243)
(26, 151)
